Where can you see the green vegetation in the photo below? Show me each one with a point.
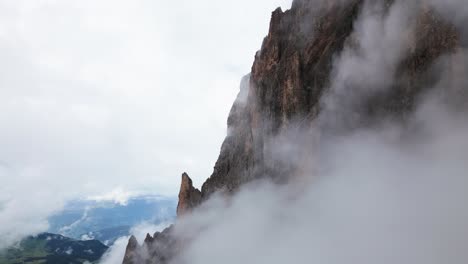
(53, 249)
(29, 248)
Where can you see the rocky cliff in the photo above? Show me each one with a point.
(189, 196)
(292, 77)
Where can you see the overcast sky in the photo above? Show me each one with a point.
(112, 98)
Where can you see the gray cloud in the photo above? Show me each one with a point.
(380, 40)
(117, 251)
(389, 194)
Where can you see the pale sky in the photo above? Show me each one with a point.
(103, 98)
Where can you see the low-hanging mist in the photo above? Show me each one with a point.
(387, 195)
(372, 171)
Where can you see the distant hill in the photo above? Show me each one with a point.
(50, 248)
(84, 230)
(107, 221)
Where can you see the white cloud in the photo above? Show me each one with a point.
(118, 196)
(116, 252)
(90, 236)
(69, 251)
(84, 217)
(95, 95)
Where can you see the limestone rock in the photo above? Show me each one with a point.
(189, 197)
(290, 76)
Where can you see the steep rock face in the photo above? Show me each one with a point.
(292, 72)
(236, 160)
(156, 249)
(131, 252)
(189, 197)
(291, 75)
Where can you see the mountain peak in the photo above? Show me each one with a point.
(189, 196)
(293, 74)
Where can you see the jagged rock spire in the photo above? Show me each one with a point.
(189, 196)
(131, 252)
(290, 75)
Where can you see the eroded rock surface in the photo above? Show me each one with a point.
(189, 197)
(291, 75)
